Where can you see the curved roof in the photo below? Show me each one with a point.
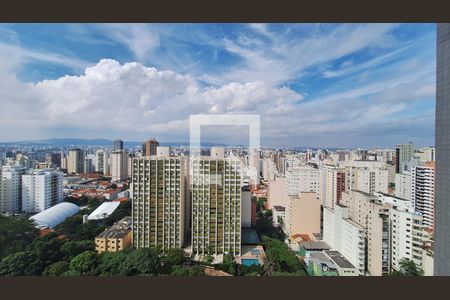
(55, 214)
(104, 210)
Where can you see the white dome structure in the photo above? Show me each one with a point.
(55, 215)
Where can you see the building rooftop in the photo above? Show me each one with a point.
(310, 245)
(104, 210)
(320, 258)
(339, 260)
(279, 208)
(118, 230)
(55, 215)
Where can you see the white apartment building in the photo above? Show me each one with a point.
(422, 192)
(163, 151)
(41, 190)
(395, 202)
(403, 185)
(119, 165)
(11, 195)
(406, 237)
(100, 160)
(426, 154)
(345, 236)
(269, 169)
(368, 180)
(302, 179)
(331, 185)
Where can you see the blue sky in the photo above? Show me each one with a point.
(325, 85)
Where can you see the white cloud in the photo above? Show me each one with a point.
(139, 38)
(137, 99)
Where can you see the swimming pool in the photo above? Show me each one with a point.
(250, 261)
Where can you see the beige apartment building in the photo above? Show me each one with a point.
(277, 192)
(158, 195)
(302, 214)
(75, 161)
(373, 216)
(216, 207)
(331, 185)
(119, 165)
(115, 238)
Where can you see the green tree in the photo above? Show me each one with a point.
(265, 227)
(56, 269)
(229, 265)
(173, 257)
(142, 262)
(188, 271)
(85, 264)
(70, 249)
(16, 233)
(21, 264)
(408, 268)
(110, 263)
(47, 249)
(280, 258)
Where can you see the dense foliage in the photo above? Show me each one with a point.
(281, 259)
(16, 234)
(408, 268)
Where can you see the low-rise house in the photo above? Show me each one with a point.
(115, 238)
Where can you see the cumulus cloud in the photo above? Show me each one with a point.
(135, 98)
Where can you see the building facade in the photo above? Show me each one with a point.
(442, 229)
(75, 161)
(216, 207)
(158, 202)
(11, 194)
(422, 192)
(119, 165)
(41, 190)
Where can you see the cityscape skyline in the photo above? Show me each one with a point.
(314, 85)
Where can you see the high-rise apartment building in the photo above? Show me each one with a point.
(41, 190)
(276, 195)
(302, 214)
(75, 161)
(403, 154)
(403, 186)
(54, 159)
(365, 210)
(149, 147)
(158, 195)
(406, 237)
(331, 185)
(216, 207)
(100, 161)
(117, 145)
(302, 179)
(11, 195)
(119, 165)
(368, 180)
(163, 151)
(422, 192)
(442, 229)
(345, 235)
